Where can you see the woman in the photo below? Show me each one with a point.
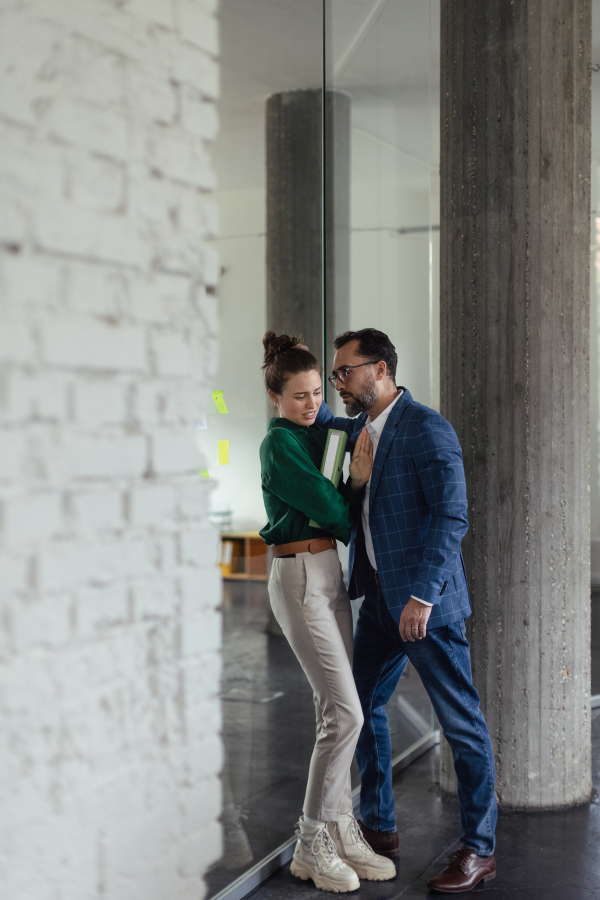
(311, 604)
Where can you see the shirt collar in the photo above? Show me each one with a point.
(377, 425)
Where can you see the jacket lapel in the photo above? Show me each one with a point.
(385, 442)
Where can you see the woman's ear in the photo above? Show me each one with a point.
(274, 397)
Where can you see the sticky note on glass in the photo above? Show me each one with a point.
(204, 473)
(223, 453)
(219, 402)
(333, 460)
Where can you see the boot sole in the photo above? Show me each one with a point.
(367, 873)
(299, 870)
(489, 877)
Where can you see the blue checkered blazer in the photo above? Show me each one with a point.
(417, 512)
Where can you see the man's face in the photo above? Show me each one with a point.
(361, 390)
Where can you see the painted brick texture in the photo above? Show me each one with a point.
(109, 625)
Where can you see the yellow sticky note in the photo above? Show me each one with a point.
(204, 473)
(223, 453)
(219, 402)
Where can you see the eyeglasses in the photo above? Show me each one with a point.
(343, 372)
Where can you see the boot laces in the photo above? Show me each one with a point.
(461, 858)
(321, 842)
(358, 837)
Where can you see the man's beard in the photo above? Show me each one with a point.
(362, 402)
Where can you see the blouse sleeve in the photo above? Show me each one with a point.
(291, 475)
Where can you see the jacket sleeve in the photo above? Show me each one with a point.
(438, 461)
(291, 475)
(354, 499)
(326, 419)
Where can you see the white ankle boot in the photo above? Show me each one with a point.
(315, 857)
(354, 850)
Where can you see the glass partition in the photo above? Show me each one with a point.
(326, 164)
(383, 58)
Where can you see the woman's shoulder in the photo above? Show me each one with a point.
(275, 442)
(278, 437)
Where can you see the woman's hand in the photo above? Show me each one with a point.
(362, 461)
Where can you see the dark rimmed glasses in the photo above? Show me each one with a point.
(343, 372)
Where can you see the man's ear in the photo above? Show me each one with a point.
(381, 370)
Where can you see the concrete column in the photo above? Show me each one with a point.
(305, 200)
(297, 185)
(515, 173)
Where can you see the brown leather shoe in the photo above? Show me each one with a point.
(463, 872)
(383, 843)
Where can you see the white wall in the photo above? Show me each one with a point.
(109, 629)
(242, 302)
(394, 277)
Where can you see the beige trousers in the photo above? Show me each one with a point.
(311, 603)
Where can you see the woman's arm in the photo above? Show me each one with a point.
(326, 419)
(290, 474)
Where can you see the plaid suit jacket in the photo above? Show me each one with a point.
(417, 512)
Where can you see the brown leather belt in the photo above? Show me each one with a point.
(375, 576)
(316, 545)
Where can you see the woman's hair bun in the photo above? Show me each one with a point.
(279, 363)
(275, 344)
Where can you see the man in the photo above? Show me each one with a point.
(405, 559)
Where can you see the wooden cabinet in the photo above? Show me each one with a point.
(244, 556)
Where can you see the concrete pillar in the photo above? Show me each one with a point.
(515, 173)
(297, 185)
(305, 200)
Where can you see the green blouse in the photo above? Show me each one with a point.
(294, 490)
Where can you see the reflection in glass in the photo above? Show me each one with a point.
(385, 57)
(317, 199)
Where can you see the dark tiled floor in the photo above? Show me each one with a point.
(540, 856)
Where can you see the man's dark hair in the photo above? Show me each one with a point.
(374, 345)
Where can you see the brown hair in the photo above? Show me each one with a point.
(283, 357)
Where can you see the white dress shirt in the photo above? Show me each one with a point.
(375, 427)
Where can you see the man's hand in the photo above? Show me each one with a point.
(413, 621)
(362, 461)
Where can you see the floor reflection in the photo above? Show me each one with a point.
(269, 732)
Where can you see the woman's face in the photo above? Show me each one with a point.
(301, 398)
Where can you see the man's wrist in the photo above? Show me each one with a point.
(418, 599)
(356, 485)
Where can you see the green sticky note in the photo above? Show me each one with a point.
(204, 473)
(219, 402)
(223, 453)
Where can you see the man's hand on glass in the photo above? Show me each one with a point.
(413, 621)
(361, 465)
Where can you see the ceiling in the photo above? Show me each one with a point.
(380, 51)
(383, 52)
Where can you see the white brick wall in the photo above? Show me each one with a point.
(109, 628)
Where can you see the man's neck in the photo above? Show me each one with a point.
(383, 402)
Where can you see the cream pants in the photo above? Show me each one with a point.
(311, 603)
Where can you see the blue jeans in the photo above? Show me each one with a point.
(443, 662)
